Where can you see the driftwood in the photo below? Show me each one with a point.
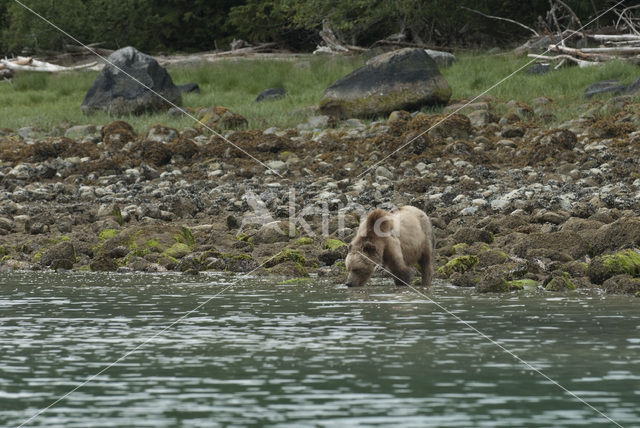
(581, 63)
(332, 44)
(31, 64)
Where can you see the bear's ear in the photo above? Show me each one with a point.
(369, 248)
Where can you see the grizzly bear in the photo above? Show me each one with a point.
(396, 240)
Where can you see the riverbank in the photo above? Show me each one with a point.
(514, 204)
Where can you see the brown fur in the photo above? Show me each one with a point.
(395, 240)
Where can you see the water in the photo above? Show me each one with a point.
(268, 354)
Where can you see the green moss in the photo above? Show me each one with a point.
(332, 244)
(560, 283)
(177, 250)
(627, 261)
(65, 238)
(185, 237)
(459, 264)
(304, 241)
(83, 268)
(5, 258)
(242, 237)
(623, 262)
(459, 248)
(296, 281)
(522, 284)
(118, 216)
(152, 243)
(108, 234)
(37, 257)
(3, 251)
(287, 255)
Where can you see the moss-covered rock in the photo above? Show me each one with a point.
(108, 234)
(287, 255)
(492, 257)
(622, 284)
(305, 240)
(289, 269)
(469, 235)
(177, 250)
(559, 282)
(458, 264)
(523, 284)
(60, 256)
(103, 264)
(604, 267)
(333, 244)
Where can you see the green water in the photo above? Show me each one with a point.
(268, 354)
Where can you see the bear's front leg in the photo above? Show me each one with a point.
(394, 261)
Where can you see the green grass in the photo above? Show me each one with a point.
(47, 100)
(473, 74)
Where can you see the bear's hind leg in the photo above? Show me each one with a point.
(426, 263)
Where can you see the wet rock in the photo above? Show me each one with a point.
(559, 281)
(458, 264)
(271, 94)
(60, 256)
(330, 256)
(116, 93)
(604, 267)
(401, 80)
(562, 246)
(624, 232)
(271, 233)
(103, 264)
(622, 284)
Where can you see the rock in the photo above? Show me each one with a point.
(80, 131)
(400, 80)
(270, 233)
(443, 59)
(458, 264)
(511, 131)
(271, 94)
(469, 235)
(117, 93)
(277, 165)
(330, 256)
(117, 134)
(626, 262)
(103, 264)
(606, 86)
(381, 171)
(562, 246)
(218, 117)
(622, 284)
(189, 88)
(538, 68)
(162, 134)
(60, 256)
(624, 232)
(559, 281)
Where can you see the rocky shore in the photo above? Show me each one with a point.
(516, 204)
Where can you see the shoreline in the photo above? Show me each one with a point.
(514, 205)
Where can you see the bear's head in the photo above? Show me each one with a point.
(361, 261)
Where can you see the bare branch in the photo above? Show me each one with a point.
(502, 19)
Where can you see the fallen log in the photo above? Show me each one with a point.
(30, 64)
(581, 63)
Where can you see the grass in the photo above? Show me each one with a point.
(47, 100)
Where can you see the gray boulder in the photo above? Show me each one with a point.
(406, 79)
(442, 58)
(117, 93)
(603, 87)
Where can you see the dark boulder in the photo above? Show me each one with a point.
(131, 82)
(271, 94)
(603, 87)
(189, 88)
(406, 79)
